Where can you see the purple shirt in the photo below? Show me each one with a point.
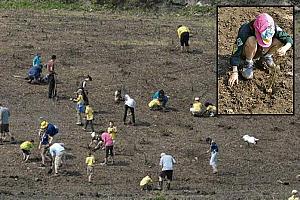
(107, 139)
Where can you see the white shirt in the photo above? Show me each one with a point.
(167, 162)
(129, 101)
(56, 149)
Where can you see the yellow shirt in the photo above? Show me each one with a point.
(113, 132)
(79, 99)
(89, 113)
(90, 160)
(181, 30)
(146, 180)
(211, 108)
(197, 106)
(27, 145)
(154, 103)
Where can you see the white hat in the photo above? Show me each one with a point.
(197, 98)
(294, 192)
(162, 154)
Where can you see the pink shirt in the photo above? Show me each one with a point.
(107, 139)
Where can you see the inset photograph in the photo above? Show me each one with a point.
(255, 60)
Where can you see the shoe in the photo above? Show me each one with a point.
(84, 129)
(247, 72)
(271, 64)
(104, 163)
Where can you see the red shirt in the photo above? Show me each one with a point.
(50, 66)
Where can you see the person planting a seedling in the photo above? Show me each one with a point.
(261, 38)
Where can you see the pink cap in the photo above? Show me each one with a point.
(264, 29)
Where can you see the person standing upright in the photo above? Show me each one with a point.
(51, 77)
(129, 104)
(4, 124)
(214, 150)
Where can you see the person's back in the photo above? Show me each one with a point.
(197, 106)
(36, 60)
(27, 145)
(155, 103)
(89, 113)
(167, 162)
(56, 148)
(5, 114)
(35, 72)
(181, 30)
(130, 101)
(107, 139)
(51, 130)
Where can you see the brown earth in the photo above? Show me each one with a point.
(251, 96)
(139, 53)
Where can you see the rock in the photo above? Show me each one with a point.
(269, 91)
(37, 179)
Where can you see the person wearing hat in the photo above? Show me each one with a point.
(260, 38)
(80, 108)
(214, 150)
(26, 147)
(294, 195)
(57, 151)
(95, 139)
(49, 129)
(184, 36)
(129, 104)
(167, 162)
(196, 107)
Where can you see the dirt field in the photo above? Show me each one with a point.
(251, 96)
(138, 53)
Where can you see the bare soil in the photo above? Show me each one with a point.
(251, 97)
(140, 54)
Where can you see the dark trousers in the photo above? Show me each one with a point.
(132, 113)
(51, 80)
(91, 123)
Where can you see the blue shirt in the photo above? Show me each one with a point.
(45, 139)
(35, 71)
(156, 95)
(51, 130)
(36, 61)
(214, 147)
(167, 162)
(4, 115)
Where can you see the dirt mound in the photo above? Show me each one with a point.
(252, 96)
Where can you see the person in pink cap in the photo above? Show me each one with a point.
(260, 38)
